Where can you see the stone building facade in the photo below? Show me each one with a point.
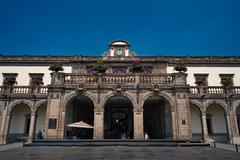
(120, 103)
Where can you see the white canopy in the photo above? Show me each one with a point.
(80, 124)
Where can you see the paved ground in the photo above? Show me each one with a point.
(119, 152)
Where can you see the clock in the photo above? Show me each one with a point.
(119, 52)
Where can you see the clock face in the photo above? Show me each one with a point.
(119, 52)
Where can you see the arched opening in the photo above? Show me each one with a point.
(19, 122)
(216, 123)
(40, 121)
(118, 118)
(79, 108)
(238, 118)
(196, 122)
(157, 118)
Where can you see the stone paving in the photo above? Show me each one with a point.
(119, 152)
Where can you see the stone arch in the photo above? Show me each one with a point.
(216, 118)
(236, 107)
(146, 96)
(74, 94)
(39, 104)
(26, 102)
(197, 104)
(76, 108)
(222, 104)
(196, 122)
(118, 115)
(111, 94)
(158, 119)
(20, 118)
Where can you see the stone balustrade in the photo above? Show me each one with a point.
(202, 90)
(24, 90)
(119, 79)
(157, 79)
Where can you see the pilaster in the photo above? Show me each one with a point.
(138, 124)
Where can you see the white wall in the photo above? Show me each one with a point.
(18, 118)
(23, 77)
(218, 119)
(41, 117)
(213, 77)
(195, 119)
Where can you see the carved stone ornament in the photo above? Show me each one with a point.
(156, 89)
(118, 89)
(80, 90)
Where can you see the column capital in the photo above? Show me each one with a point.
(98, 110)
(137, 110)
(33, 113)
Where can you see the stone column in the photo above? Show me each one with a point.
(234, 126)
(236, 123)
(174, 129)
(98, 124)
(5, 135)
(229, 129)
(3, 125)
(31, 134)
(182, 114)
(138, 124)
(62, 124)
(204, 127)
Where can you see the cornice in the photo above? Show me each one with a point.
(88, 59)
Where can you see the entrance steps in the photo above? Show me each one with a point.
(118, 142)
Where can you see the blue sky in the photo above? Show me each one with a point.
(153, 27)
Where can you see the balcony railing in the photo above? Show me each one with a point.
(157, 79)
(119, 79)
(202, 90)
(24, 90)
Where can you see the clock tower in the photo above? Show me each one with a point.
(119, 48)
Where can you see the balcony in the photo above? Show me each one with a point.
(71, 79)
(23, 91)
(213, 90)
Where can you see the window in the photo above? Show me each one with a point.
(201, 79)
(36, 79)
(9, 79)
(226, 79)
(52, 123)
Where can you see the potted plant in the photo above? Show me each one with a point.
(99, 67)
(226, 82)
(136, 67)
(37, 81)
(9, 82)
(56, 67)
(200, 82)
(180, 67)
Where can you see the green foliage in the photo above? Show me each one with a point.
(56, 67)
(180, 67)
(226, 81)
(99, 66)
(37, 81)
